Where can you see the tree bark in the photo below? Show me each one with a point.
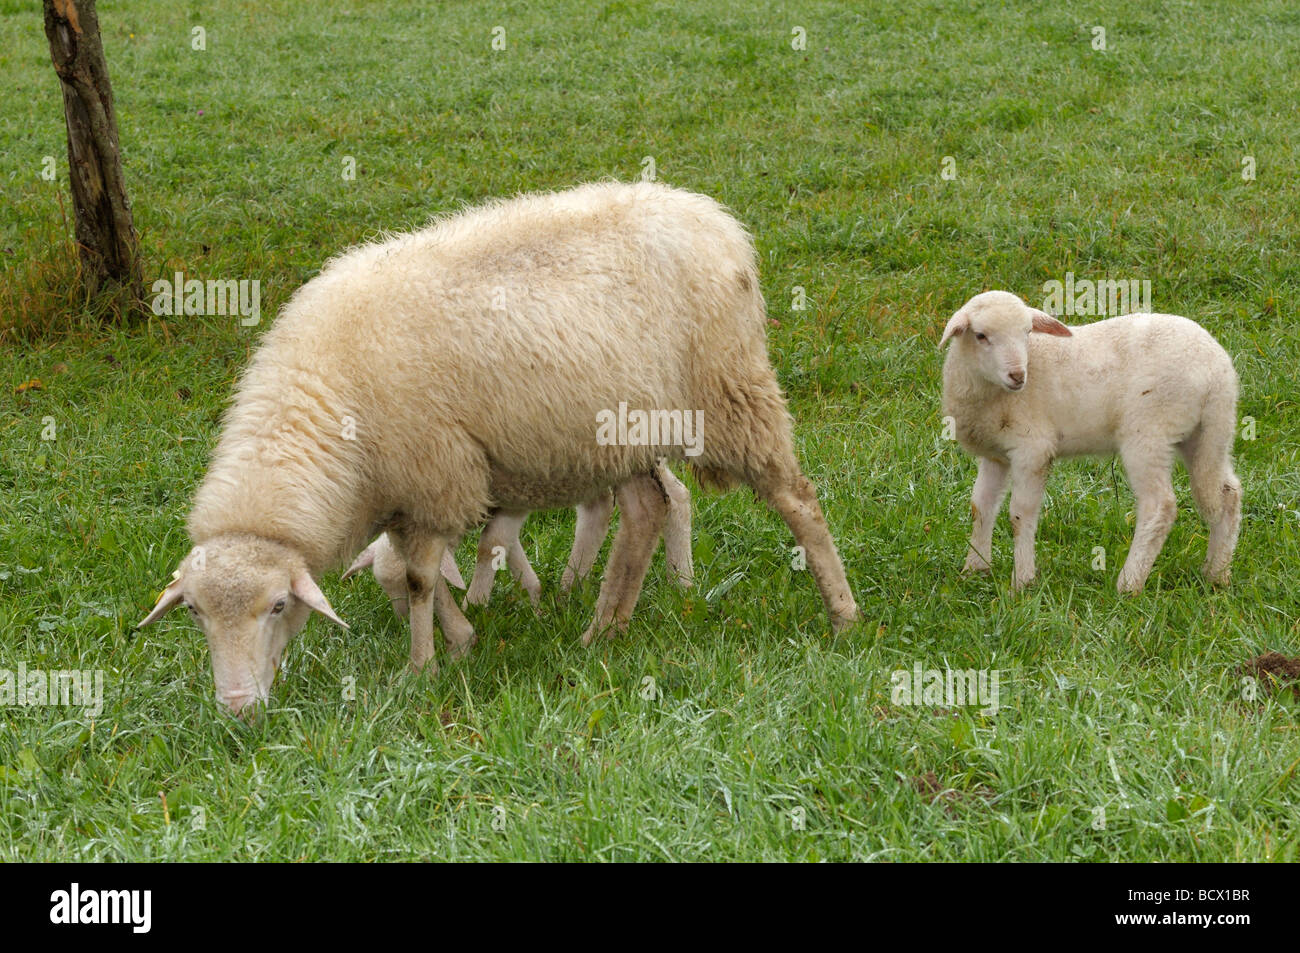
(106, 236)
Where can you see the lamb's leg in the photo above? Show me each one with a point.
(677, 528)
(588, 536)
(1028, 479)
(643, 506)
(985, 502)
(793, 496)
(1157, 507)
(1217, 492)
(456, 629)
(522, 570)
(498, 537)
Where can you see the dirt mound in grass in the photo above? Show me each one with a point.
(1273, 670)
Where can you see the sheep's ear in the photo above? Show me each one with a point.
(168, 600)
(364, 561)
(1046, 324)
(956, 325)
(450, 571)
(304, 587)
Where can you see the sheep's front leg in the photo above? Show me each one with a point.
(985, 502)
(1028, 479)
(589, 534)
(423, 557)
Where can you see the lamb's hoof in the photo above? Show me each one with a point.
(1219, 580)
(1128, 584)
(1021, 583)
(975, 569)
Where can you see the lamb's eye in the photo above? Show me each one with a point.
(981, 336)
(278, 607)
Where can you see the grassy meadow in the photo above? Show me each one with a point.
(907, 156)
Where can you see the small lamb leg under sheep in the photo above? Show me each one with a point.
(502, 535)
(1023, 389)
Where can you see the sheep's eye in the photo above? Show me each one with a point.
(981, 336)
(278, 607)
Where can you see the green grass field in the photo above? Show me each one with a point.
(1124, 731)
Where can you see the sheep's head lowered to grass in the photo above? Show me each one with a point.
(250, 596)
(993, 329)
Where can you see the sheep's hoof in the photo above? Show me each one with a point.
(458, 650)
(845, 617)
(1021, 583)
(608, 629)
(428, 666)
(975, 569)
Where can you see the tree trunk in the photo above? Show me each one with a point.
(106, 237)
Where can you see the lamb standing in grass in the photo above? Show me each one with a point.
(501, 535)
(1023, 389)
(418, 383)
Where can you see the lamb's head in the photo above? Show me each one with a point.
(992, 330)
(250, 596)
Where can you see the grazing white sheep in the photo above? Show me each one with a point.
(1024, 389)
(502, 535)
(418, 383)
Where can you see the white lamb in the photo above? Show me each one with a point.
(501, 535)
(418, 383)
(1024, 389)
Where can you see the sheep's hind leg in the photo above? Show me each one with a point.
(985, 502)
(643, 507)
(795, 498)
(1157, 508)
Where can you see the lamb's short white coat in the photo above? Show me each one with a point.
(420, 382)
(1023, 390)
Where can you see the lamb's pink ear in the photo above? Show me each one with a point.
(170, 598)
(450, 571)
(364, 561)
(956, 325)
(305, 588)
(1046, 324)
